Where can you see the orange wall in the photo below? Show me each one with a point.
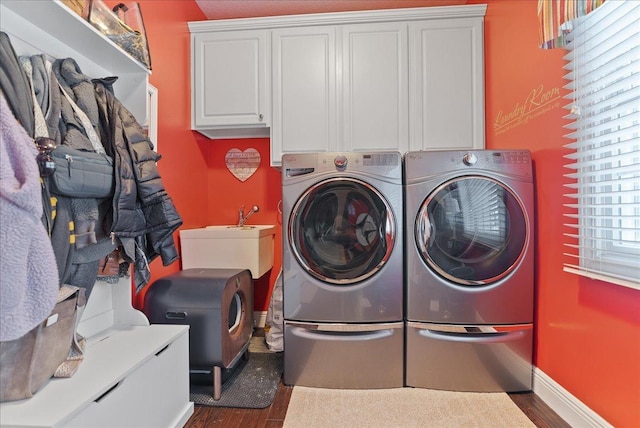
(192, 167)
(587, 331)
(183, 165)
(263, 188)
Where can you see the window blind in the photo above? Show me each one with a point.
(603, 200)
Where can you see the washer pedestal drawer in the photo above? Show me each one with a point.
(469, 358)
(349, 356)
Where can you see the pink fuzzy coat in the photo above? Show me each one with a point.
(28, 270)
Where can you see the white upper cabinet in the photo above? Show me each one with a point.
(395, 79)
(304, 90)
(339, 88)
(447, 84)
(229, 84)
(375, 89)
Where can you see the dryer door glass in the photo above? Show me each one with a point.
(472, 230)
(342, 231)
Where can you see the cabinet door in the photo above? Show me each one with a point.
(447, 80)
(229, 79)
(375, 87)
(304, 91)
(153, 394)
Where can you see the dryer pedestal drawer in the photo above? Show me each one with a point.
(469, 358)
(350, 356)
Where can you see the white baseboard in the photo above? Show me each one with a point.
(565, 404)
(259, 319)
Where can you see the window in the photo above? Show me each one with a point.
(603, 208)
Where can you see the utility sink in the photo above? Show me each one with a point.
(242, 232)
(229, 247)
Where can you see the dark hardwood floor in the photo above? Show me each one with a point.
(538, 411)
(270, 417)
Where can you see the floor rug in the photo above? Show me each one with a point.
(252, 384)
(401, 407)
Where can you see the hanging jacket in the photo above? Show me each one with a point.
(86, 235)
(14, 85)
(144, 217)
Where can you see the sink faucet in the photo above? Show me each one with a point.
(243, 218)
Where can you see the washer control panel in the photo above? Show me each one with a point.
(351, 161)
(382, 164)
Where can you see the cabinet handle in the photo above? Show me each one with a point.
(173, 315)
(162, 350)
(107, 392)
(261, 116)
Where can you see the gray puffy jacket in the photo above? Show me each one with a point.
(144, 216)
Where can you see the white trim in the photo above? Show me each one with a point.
(602, 277)
(259, 319)
(565, 404)
(151, 123)
(335, 18)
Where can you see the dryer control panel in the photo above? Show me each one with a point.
(359, 161)
(486, 158)
(512, 162)
(420, 164)
(511, 157)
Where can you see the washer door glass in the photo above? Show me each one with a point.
(342, 231)
(472, 230)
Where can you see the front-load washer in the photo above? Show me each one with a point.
(343, 269)
(469, 270)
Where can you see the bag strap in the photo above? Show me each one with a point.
(86, 123)
(41, 129)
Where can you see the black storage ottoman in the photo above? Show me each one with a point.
(217, 304)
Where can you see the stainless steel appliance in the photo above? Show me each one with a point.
(343, 269)
(469, 271)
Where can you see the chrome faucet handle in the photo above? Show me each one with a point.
(244, 218)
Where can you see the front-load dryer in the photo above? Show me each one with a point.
(469, 270)
(343, 269)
